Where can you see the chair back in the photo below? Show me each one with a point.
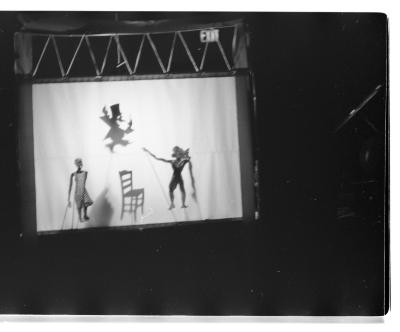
(126, 181)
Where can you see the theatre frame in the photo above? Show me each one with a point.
(240, 69)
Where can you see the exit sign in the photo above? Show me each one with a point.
(209, 36)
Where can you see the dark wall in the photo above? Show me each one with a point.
(310, 71)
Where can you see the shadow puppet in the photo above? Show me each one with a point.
(102, 210)
(116, 133)
(132, 199)
(181, 159)
(82, 198)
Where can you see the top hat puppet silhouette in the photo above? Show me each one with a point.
(116, 113)
(119, 128)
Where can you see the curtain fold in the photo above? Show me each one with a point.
(23, 53)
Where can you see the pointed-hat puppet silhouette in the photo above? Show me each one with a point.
(117, 133)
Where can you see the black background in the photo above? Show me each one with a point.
(298, 259)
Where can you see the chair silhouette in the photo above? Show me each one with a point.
(132, 199)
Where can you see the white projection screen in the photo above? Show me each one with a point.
(199, 114)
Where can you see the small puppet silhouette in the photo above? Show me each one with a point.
(181, 158)
(82, 198)
(116, 133)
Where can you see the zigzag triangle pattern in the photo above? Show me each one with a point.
(131, 68)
